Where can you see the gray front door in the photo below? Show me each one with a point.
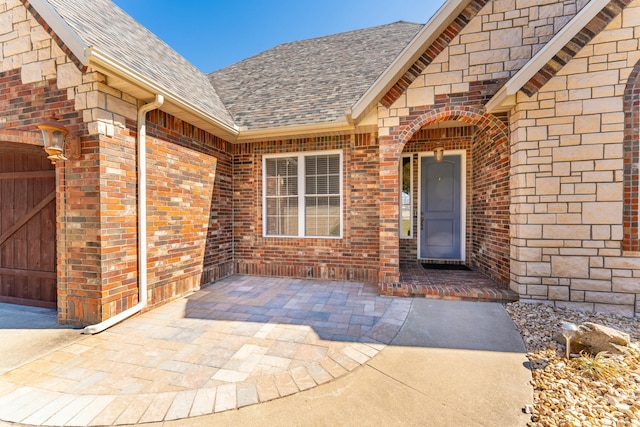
(440, 221)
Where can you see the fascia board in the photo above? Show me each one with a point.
(105, 62)
(248, 135)
(69, 37)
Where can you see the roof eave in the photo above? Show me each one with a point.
(297, 131)
(88, 55)
(106, 63)
(425, 37)
(504, 99)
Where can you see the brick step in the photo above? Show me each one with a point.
(449, 292)
(416, 281)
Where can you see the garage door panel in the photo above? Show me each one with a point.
(27, 227)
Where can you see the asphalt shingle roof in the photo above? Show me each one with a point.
(309, 81)
(103, 25)
(304, 82)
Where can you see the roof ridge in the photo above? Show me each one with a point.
(349, 32)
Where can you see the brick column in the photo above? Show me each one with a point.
(389, 210)
(79, 239)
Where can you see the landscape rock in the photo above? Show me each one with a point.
(565, 393)
(596, 338)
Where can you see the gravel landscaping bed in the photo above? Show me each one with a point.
(583, 391)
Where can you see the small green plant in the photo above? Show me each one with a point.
(601, 367)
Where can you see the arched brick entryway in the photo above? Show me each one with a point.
(631, 240)
(490, 161)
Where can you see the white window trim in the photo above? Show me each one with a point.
(301, 193)
(411, 201)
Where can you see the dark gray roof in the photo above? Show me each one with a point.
(309, 81)
(103, 25)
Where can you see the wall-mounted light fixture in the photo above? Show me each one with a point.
(438, 153)
(56, 142)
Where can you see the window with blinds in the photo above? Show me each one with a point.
(282, 196)
(303, 195)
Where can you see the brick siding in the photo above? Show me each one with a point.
(551, 198)
(490, 201)
(189, 206)
(189, 232)
(194, 170)
(352, 257)
(24, 106)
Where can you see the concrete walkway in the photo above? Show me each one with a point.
(321, 354)
(26, 333)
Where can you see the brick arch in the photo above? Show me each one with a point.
(495, 133)
(485, 122)
(631, 144)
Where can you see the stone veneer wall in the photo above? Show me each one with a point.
(568, 179)
(567, 143)
(352, 257)
(460, 71)
(492, 45)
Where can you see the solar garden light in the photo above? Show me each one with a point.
(569, 331)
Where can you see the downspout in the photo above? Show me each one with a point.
(142, 223)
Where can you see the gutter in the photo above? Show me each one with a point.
(236, 133)
(142, 223)
(247, 135)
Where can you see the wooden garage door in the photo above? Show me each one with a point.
(27, 226)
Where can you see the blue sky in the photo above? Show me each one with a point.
(215, 33)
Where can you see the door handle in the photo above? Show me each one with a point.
(421, 220)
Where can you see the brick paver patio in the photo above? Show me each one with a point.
(240, 341)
